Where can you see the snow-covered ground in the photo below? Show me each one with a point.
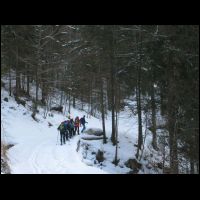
(37, 148)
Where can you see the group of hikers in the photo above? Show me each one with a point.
(70, 127)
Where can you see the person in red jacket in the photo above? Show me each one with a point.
(77, 124)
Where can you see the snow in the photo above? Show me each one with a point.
(71, 27)
(37, 148)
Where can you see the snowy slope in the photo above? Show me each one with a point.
(37, 148)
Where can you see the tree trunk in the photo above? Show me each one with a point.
(28, 79)
(102, 112)
(191, 166)
(44, 92)
(74, 102)
(117, 104)
(139, 121)
(91, 138)
(37, 84)
(90, 107)
(82, 106)
(113, 139)
(69, 108)
(110, 49)
(61, 98)
(172, 120)
(162, 104)
(153, 118)
(108, 94)
(116, 148)
(38, 65)
(23, 78)
(138, 97)
(10, 86)
(17, 74)
(138, 93)
(197, 167)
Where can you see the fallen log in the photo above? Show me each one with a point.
(58, 109)
(92, 138)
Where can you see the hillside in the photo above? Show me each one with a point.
(37, 147)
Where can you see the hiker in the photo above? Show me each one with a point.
(77, 124)
(69, 116)
(68, 128)
(66, 124)
(83, 122)
(72, 127)
(61, 128)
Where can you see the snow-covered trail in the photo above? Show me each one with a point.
(44, 156)
(35, 149)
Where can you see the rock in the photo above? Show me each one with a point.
(2, 84)
(160, 165)
(133, 164)
(19, 101)
(33, 115)
(58, 109)
(135, 171)
(50, 124)
(99, 156)
(50, 114)
(121, 166)
(5, 169)
(86, 147)
(4, 166)
(12, 107)
(78, 145)
(6, 99)
(9, 146)
(166, 170)
(88, 162)
(94, 131)
(149, 166)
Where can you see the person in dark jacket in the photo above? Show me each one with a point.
(61, 128)
(83, 122)
(66, 129)
(72, 127)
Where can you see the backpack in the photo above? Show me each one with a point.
(65, 124)
(81, 120)
(77, 121)
(61, 127)
(72, 125)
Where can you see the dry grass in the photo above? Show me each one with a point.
(4, 165)
(3, 150)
